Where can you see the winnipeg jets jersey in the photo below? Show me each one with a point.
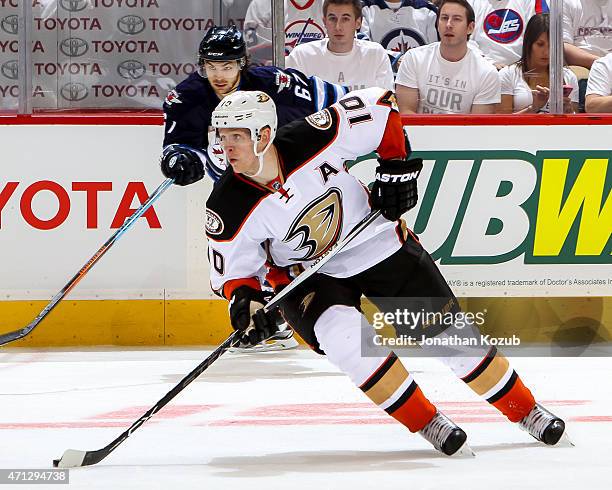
(500, 26)
(399, 26)
(188, 108)
(313, 203)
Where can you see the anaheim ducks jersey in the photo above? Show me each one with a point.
(313, 203)
(402, 25)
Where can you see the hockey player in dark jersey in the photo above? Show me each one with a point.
(290, 189)
(224, 69)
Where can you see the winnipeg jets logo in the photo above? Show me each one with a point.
(401, 40)
(282, 81)
(318, 226)
(173, 98)
(503, 25)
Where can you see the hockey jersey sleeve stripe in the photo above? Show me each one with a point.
(320, 94)
(230, 286)
(393, 144)
(244, 219)
(278, 277)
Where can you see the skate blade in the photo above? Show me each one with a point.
(565, 441)
(464, 452)
(278, 345)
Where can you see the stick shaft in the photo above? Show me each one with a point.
(22, 332)
(316, 266)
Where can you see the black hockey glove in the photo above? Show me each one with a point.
(395, 189)
(181, 163)
(247, 315)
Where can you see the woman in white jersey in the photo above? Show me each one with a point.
(525, 84)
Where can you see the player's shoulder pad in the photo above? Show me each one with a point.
(229, 205)
(371, 96)
(187, 93)
(301, 140)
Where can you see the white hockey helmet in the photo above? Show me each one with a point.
(252, 110)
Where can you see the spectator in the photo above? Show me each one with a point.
(525, 84)
(447, 77)
(599, 88)
(399, 25)
(340, 58)
(587, 35)
(587, 30)
(498, 33)
(303, 23)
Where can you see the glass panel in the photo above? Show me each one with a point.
(258, 30)
(112, 54)
(9, 57)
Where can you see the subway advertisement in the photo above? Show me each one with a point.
(509, 213)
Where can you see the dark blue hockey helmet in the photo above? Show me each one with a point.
(222, 43)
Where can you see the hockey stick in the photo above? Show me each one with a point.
(321, 261)
(74, 457)
(18, 334)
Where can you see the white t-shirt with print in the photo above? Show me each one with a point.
(500, 27)
(600, 77)
(513, 83)
(587, 24)
(449, 87)
(366, 65)
(400, 25)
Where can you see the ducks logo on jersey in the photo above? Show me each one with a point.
(318, 226)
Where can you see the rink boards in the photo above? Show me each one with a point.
(518, 217)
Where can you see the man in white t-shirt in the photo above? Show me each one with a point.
(599, 88)
(500, 25)
(340, 58)
(448, 77)
(587, 30)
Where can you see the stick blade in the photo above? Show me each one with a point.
(71, 458)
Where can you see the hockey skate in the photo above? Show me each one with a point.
(281, 340)
(544, 426)
(446, 436)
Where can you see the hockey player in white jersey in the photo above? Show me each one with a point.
(290, 190)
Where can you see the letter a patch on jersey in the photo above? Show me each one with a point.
(320, 120)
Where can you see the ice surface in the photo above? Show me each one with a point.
(287, 420)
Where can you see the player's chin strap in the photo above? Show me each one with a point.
(260, 155)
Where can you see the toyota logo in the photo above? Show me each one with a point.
(10, 69)
(74, 92)
(10, 24)
(131, 24)
(131, 69)
(73, 47)
(73, 5)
